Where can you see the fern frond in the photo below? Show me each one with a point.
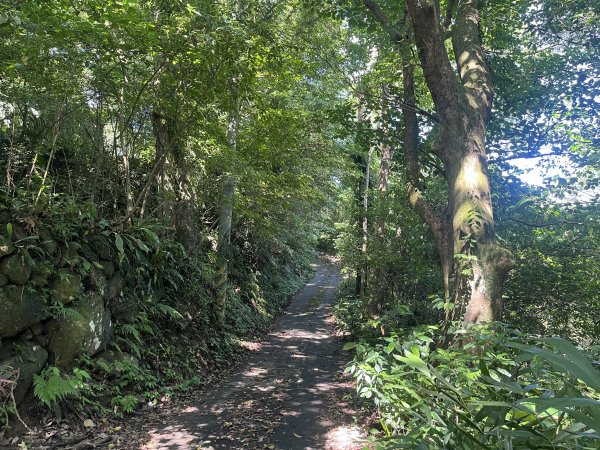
(50, 387)
(168, 311)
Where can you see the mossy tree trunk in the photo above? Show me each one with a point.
(464, 233)
(464, 107)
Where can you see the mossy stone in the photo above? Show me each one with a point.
(96, 281)
(19, 309)
(29, 358)
(126, 312)
(6, 349)
(39, 279)
(88, 331)
(37, 328)
(41, 339)
(6, 246)
(114, 287)
(16, 268)
(67, 286)
(108, 267)
(71, 256)
(26, 335)
(89, 254)
(3, 280)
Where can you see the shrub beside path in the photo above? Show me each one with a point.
(289, 394)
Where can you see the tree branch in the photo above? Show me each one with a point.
(380, 16)
(392, 99)
(398, 37)
(434, 58)
(424, 209)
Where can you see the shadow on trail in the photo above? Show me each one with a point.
(285, 396)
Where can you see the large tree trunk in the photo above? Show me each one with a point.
(464, 235)
(464, 108)
(481, 263)
(438, 221)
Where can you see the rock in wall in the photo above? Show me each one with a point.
(55, 298)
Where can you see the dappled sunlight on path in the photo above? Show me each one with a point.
(288, 395)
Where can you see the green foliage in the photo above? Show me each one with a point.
(169, 291)
(554, 288)
(401, 261)
(493, 387)
(351, 313)
(51, 387)
(126, 403)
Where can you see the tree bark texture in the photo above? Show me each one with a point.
(437, 221)
(465, 234)
(464, 109)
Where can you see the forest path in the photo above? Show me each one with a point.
(287, 395)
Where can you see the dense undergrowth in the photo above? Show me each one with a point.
(166, 339)
(477, 387)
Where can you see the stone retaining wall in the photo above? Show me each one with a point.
(56, 298)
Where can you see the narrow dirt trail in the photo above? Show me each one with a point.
(287, 395)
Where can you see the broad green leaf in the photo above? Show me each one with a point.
(119, 243)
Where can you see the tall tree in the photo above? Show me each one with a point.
(463, 102)
(386, 152)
